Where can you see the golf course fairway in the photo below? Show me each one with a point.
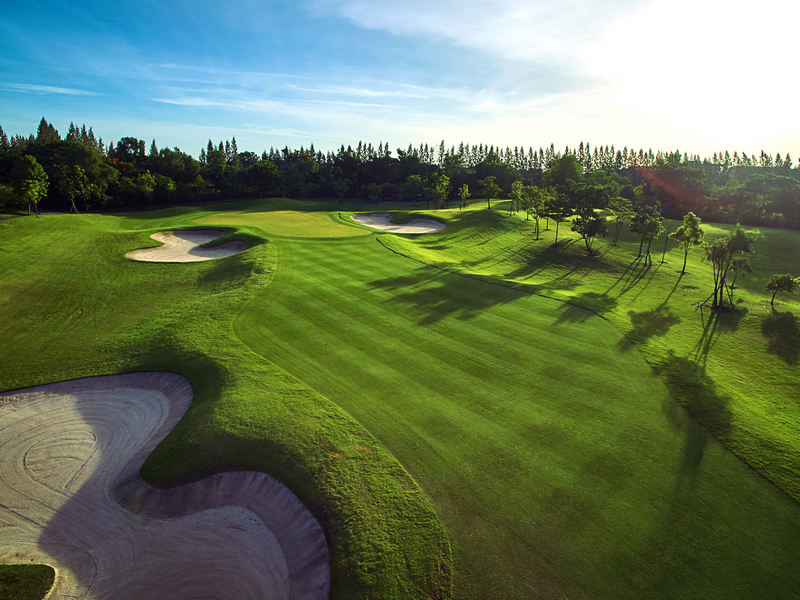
(558, 461)
(456, 433)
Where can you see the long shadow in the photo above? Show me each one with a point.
(631, 277)
(435, 295)
(583, 306)
(648, 324)
(550, 257)
(714, 325)
(782, 331)
(689, 384)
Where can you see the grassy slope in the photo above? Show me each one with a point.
(736, 372)
(74, 306)
(560, 464)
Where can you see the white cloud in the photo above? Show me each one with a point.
(519, 29)
(44, 89)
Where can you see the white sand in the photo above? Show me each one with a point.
(186, 246)
(71, 497)
(383, 222)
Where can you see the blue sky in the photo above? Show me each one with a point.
(699, 75)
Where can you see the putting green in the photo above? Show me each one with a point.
(287, 223)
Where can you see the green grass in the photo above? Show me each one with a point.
(735, 371)
(74, 306)
(25, 582)
(557, 458)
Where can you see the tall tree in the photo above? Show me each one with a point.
(559, 209)
(72, 183)
(689, 234)
(646, 219)
(490, 189)
(5, 144)
(463, 194)
(29, 181)
(622, 209)
(721, 253)
(588, 200)
(46, 133)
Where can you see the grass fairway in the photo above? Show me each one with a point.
(736, 372)
(558, 460)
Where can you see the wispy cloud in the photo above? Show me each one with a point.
(43, 89)
(350, 91)
(520, 29)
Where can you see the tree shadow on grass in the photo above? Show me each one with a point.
(714, 324)
(782, 331)
(648, 324)
(630, 277)
(689, 384)
(435, 295)
(551, 257)
(585, 305)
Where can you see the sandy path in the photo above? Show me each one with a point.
(186, 246)
(383, 222)
(71, 497)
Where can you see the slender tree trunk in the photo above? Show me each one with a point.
(685, 254)
(616, 233)
(489, 203)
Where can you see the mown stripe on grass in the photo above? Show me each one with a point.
(558, 461)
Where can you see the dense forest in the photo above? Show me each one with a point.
(79, 172)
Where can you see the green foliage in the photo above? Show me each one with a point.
(488, 188)
(721, 254)
(781, 283)
(463, 193)
(689, 234)
(563, 170)
(29, 181)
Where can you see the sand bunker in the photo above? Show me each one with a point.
(186, 246)
(383, 222)
(72, 498)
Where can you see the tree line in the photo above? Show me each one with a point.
(82, 172)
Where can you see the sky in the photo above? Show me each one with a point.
(701, 76)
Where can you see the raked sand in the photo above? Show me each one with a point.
(383, 222)
(186, 246)
(71, 497)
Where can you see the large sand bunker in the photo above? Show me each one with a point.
(71, 497)
(383, 222)
(186, 246)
